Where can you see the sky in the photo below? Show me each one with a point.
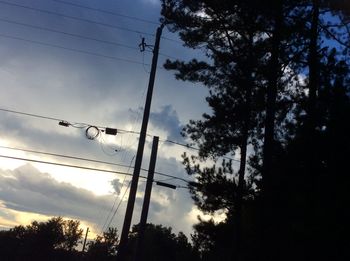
(98, 79)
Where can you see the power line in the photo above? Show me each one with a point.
(115, 201)
(79, 167)
(76, 18)
(69, 34)
(106, 12)
(68, 165)
(71, 49)
(194, 148)
(59, 120)
(81, 37)
(64, 156)
(90, 160)
(87, 21)
(30, 114)
(117, 14)
(132, 132)
(105, 226)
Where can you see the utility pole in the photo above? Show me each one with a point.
(139, 154)
(146, 200)
(87, 232)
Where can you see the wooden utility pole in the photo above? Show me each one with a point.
(146, 200)
(87, 232)
(139, 154)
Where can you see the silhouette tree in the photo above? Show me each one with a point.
(160, 243)
(51, 240)
(104, 247)
(233, 36)
(312, 222)
(245, 71)
(256, 55)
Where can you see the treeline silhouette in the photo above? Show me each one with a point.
(278, 77)
(58, 239)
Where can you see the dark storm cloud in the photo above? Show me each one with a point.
(26, 189)
(167, 119)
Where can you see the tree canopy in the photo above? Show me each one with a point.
(160, 243)
(58, 239)
(274, 70)
(54, 239)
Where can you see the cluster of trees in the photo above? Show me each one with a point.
(55, 239)
(160, 243)
(278, 78)
(58, 239)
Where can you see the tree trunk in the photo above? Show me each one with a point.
(311, 158)
(269, 141)
(248, 70)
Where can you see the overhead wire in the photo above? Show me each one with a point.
(102, 145)
(91, 160)
(107, 12)
(31, 114)
(64, 156)
(93, 22)
(105, 226)
(68, 165)
(144, 64)
(78, 166)
(115, 201)
(69, 34)
(81, 37)
(117, 14)
(58, 119)
(125, 131)
(76, 18)
(194, 148)
(118, 206)
(72, 49)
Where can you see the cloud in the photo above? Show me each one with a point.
(116, 185)
(167, 119)
(27, 189)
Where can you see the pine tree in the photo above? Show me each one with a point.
(233, 37)
(257, 55)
